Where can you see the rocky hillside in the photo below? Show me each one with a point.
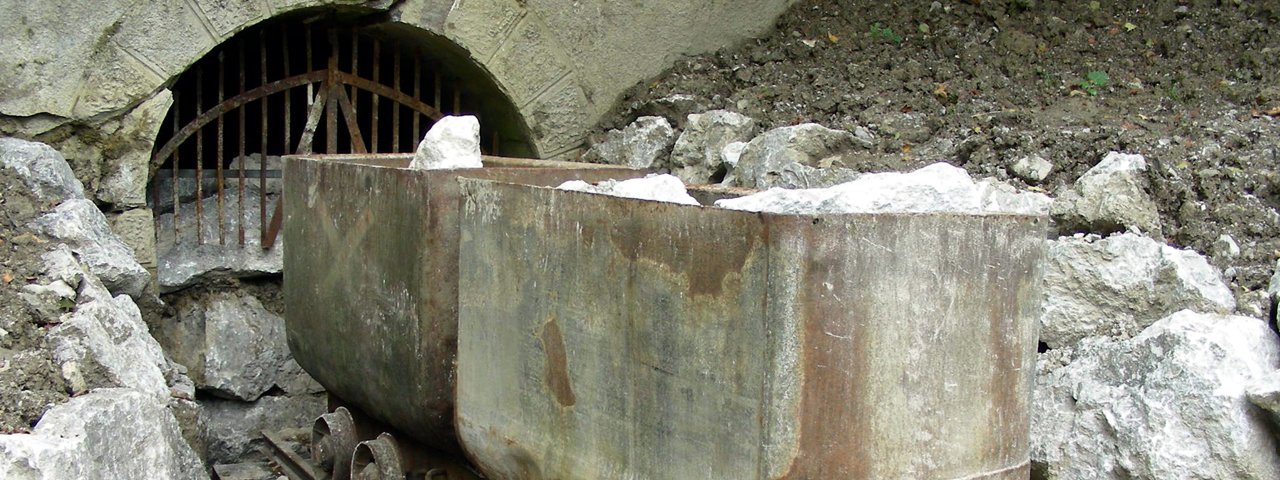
(1035, 93)
(1154, 125)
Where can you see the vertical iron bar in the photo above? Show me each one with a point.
(331, 106)
(495, 144)
(377, 68)
(417, 95)
(240, 159)
(311, 64)
(395, 107)
(262, 154)
(437, 104)
(355, 66)
(222, 212)
(199, 158)
(177, 108)
(155, 191)
(288, 113)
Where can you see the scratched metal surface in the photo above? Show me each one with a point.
(371, 282)
(632, 339)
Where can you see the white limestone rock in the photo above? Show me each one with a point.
(183, 263)
(245, 348)
(111, 433)
(41, 168)
(229, 429)
(1117, 286)
(662, 188)
(1169, 403)
(806, 155)
(231, 346)
(698, 154)
(935, 188)
(1265, 393)
(1110, 197)
(78, 223)
(1033, 169)
(452, 142)
(107, 340)
(645, 143)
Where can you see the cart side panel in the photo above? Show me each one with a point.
(608, 338)
(914, 344)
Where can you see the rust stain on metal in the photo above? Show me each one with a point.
(557, 364)
(830, 433)
(704, 264)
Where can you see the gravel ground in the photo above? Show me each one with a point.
(1194, 86)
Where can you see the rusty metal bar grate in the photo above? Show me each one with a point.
(354, 90)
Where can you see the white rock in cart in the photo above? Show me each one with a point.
(662, 188)
(452, 142)
(936, 188)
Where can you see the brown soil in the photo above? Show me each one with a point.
(30, 383)
(1194, 86)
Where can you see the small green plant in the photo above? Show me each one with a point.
(885, 33)
(1093, 81)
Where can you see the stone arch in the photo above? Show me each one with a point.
(153, 42)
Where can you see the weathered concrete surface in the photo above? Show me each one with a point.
(650, 340)
(137, 229)
(563, 63)
(371, 303)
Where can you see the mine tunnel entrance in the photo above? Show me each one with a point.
(334, 81)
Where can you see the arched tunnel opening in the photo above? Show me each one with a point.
(331, 81)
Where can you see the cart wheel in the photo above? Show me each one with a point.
(377, 459)
(333, 441)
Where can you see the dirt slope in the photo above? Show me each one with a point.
(1192, 85)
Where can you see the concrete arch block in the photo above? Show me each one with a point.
(165, 35)
(529, 63)
(225, 17)
(559, 119)
(41, 67)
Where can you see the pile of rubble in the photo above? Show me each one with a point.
(106, 379)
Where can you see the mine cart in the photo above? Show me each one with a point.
(371, 251)
(612, 338)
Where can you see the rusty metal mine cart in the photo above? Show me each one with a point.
(550, 334)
